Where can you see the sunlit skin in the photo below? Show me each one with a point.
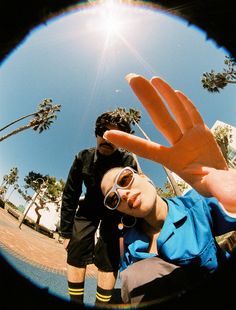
(193, 153)
(139, 199)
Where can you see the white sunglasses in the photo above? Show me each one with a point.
(123, 180)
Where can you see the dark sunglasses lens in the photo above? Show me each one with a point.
(112, 200)
(125, 178)
(100, 131)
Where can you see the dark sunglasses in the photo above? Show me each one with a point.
(100, 131)
(123, 180)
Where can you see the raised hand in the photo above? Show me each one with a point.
(193, 152)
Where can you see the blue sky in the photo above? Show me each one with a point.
(80, 61)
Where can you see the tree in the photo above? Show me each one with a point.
(15, 187)
(55, 189)
(133, 116)
(3, 187)
(214, 81)
(8, 180)
(42, 119)
(13, 176)
(34, 180)
(47, 189)
(4, 180)
(52, 193)
(3, 190)
(223, 136)
(25, 195)
(168, 191)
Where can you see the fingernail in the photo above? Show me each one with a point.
(104, 135)
(129, 76)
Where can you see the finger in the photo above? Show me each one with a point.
(190, 107)
(140, 147)
(174, 103)
(155, 107)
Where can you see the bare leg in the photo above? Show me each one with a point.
(105, 285)
(76, 277)
(107, 280)
(75, 274)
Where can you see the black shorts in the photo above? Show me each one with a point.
(83, 248)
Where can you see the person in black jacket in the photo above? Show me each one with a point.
(82, 214)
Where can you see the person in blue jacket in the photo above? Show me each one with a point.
(181, 230)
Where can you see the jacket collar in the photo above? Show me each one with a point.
(177, 215)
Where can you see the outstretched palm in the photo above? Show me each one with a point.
(193, 151)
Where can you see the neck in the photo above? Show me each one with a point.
(156, 218)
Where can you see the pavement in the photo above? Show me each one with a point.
(33, 247)
(41, 259)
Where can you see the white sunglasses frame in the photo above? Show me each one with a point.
(116, 186)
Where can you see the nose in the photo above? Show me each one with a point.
(123, 193)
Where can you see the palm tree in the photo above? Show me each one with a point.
(214, 81)
(42, 119)
(13, 176)
(223, 136)
(3, 187)
(4, 180)
(15, 187)
(8, 180)
(133, 116)
(24, 194)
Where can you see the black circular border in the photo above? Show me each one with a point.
(17, 19)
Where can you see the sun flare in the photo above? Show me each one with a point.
(112, 18)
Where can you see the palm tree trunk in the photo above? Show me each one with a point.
(15, 131)
(9, 196)
(141, 129)
(172, 181)
(167, 171)
(17, 120)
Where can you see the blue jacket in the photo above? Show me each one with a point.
(187, 236)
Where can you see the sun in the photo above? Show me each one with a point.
(111, 19)
(111, 25)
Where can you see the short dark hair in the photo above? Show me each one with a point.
(112, 118)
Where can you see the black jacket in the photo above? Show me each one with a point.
(87, 170)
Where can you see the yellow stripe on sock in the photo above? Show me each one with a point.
(79, 293)
(103, 297)
(76, 291)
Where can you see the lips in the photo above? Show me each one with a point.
(134, 201)
(106, 145)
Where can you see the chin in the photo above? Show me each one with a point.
(106, 152)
